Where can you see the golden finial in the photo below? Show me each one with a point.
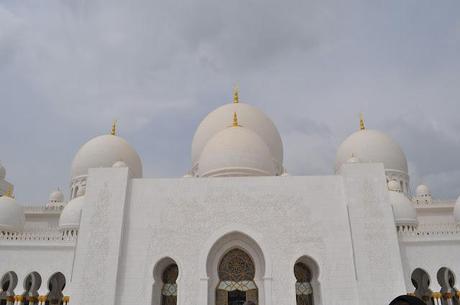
(9, 192)
(235, 120)
(113, 132)
(361, 122)
(236, 95)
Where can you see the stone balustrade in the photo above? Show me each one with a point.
(441, 231)
(53, 234)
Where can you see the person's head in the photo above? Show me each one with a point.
(407, 300)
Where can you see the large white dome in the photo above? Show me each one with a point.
(249, 117)
(236, 151)
(403, 210)
(372, 146)
(104, 151)
(12, 216)
(70, 216)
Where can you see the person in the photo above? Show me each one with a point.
(407, 300)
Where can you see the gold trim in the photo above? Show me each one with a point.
(235, 120)
(236, 95)
(9, 192)
(113, 132)
(361, 122)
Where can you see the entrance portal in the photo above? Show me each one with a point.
(236, 275)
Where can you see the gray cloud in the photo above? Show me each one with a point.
(68, 68)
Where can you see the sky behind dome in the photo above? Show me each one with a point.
(69, 67)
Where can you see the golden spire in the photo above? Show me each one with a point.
(235, 120)
(361, 122)
(113, 132)
(236, 95)
(9, 192)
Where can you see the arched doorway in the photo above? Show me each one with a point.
(8, 284)
(236, 279)
(169, 289)
(32, 284)
(56, 285)
(303, 287)
(446, 279)
(421, 281)
(165, 288)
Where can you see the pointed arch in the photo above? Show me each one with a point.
(306, 273)
(165, 274)
(32, 284)
(56, 285)
(446, 280)
(223, 245)
(421, 281)
(8, 283)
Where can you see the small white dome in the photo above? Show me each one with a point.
(56, 196)
(457, 211)
(70, 216)
(104, 151)
(119, 164)
(12, 216)
(422, 191)
(403, 210)
(2, 172)
(249, 117)
(236, 151)
(372, 146)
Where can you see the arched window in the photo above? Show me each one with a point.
(446, 279)
(8, 283)
(32, 283)
(421, 281)
(56, 285)
(303, 288)
(169, 289)
(236, 279)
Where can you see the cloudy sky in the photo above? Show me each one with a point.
(69, 67)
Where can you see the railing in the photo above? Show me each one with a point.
(49, 235)
(42, 209)
(441, 231)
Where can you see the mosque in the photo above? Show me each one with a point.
(236, 228)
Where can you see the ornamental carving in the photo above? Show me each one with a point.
(236, 266)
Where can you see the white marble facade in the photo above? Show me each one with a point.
(236, 227)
